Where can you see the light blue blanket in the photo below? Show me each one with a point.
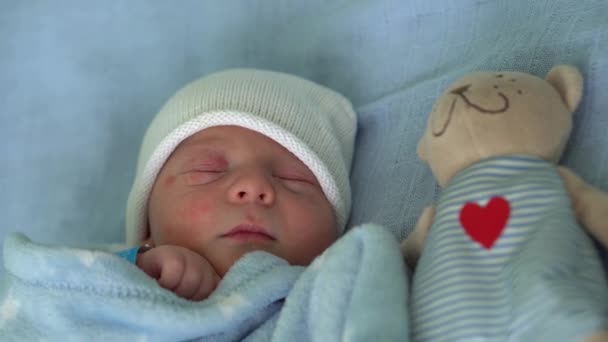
(355, 291)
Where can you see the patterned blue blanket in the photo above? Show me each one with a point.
(355, 291)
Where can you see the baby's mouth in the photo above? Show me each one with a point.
(248, 233)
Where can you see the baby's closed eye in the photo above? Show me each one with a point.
(205, 171)
(292, 177)
(202, 176)
(296, 179)
(209, 167)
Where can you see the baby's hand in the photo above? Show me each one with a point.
(178, 269)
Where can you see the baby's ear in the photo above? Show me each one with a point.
(568, 82)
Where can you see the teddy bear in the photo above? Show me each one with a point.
(510, 227)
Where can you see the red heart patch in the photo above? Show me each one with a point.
(485, 224)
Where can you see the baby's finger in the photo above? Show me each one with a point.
(172, 272)
(207, 285)
(150, 263)
(189, 283)
(202, 293)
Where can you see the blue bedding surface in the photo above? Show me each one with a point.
(80, 81)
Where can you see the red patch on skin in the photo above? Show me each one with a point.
(170, 180)
(220, 162)
(195, 211)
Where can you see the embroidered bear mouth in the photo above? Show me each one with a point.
(459, 92)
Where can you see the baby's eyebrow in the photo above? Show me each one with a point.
(210, 140)
(195, 152)
(213, 141)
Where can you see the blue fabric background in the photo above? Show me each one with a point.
(80, 81)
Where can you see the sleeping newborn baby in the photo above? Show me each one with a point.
(240, 195)
(238, 161)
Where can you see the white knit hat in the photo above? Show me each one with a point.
(314, 123)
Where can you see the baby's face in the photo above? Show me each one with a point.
(227, 190)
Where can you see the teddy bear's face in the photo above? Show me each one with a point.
(490, 114)
(488, 99)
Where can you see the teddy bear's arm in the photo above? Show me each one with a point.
(411, 248)
(590, 205)
(601, 336)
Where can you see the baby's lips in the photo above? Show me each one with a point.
(250, 228)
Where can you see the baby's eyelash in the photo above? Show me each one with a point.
(299, 179)
(209, 169)
(210, 166)
(295, 178)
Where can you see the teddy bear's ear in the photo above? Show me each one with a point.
(568, 82)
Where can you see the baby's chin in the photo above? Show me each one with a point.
(224, 259)
(223, 256)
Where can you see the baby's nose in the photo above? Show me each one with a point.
(253, 187)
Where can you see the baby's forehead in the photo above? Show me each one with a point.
(224, 139)
(228, 137)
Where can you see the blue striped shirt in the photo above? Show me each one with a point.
(505, 259)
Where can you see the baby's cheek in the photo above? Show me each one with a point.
(309, 245)
(195, 210)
